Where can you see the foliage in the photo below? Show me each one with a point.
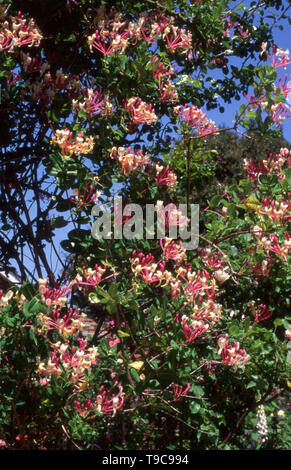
(126, 336)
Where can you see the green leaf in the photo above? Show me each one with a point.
(122, 334)
(134, 374)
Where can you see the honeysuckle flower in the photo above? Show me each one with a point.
(129, 160)
(105, 404)
(195, 329)
(172, 250)
(232, 355)
(278, 211)
(196, 119)
(18, 32)
(83, 408)
(178, 38)
(168, 92)
(53, 296)
(140, 112)
(221, 275)
(179, 392)
(280, 58)
(262, 312)
(88, 197)
(63, 138)
(159, 69)
(165, 176)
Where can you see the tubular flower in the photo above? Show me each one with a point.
(68, 146)
(168, 92)
(129, 160)
(165, 176)
(75, 362)
(172, 250)
(20, 32)
(108, 42)
(271, 244)
(83, 408)
(178, 38)
(275, 210)
(141, 113)
(195, 329)
(92, 277)
(231, 355)
(179, 392)
(159, 69)
(105, 404)
(85, 199)
(263, 268)
(262, 312)
(211, 259)
(196, 119)
(280, 58)
(56, 296)
(70, 324)
(274, 164)
(92, 104)
(150, 271)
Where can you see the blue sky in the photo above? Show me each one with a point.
(282, 40)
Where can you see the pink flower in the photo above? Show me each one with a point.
(196, 119)
(191, 332)
(178, 391)
(81, 200)
(108, 405)
(262, 312)
(141, 112)
(232, 355)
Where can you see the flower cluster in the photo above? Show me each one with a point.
(277, 211)
(231, 355)
(280, 58)
(67, 325)
(196, 119)
(165, 176)
(274, 164)
(172, 250)
(177, 38)
(64, 139)
(129, 160)
(262, 425)
(195, 329)
(262, 312)
(271, 244)
(94, 103)
(113, 34)
(19, 32)
(168, 92)
(104, 403)
(140, 112)
(55, 296)
(74, 362)
(90, 278)
(85, 198)
(43, 86)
